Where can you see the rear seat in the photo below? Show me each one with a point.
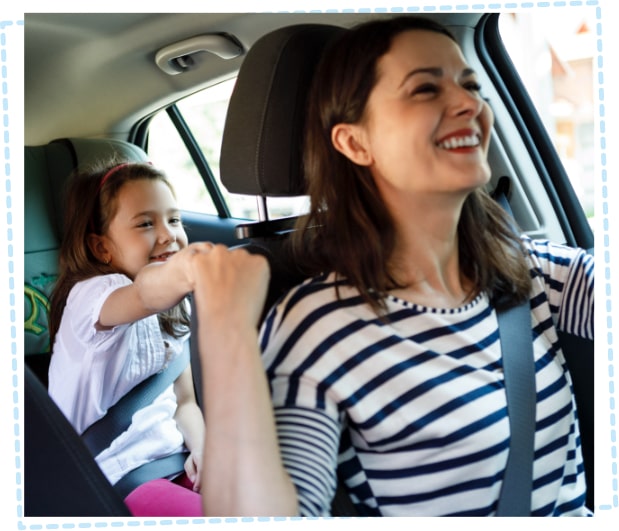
(46, 169)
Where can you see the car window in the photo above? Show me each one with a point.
(555, 63)
(168, 152)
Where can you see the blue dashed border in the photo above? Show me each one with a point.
(14, 292)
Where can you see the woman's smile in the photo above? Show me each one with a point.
(458, 140)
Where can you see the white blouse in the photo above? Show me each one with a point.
(92, 369)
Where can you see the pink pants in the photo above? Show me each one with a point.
(162, 497)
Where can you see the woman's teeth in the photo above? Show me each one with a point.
(459, 142)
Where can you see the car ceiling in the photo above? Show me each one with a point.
(94, 74)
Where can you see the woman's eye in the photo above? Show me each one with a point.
(427, 88)
(473, 86)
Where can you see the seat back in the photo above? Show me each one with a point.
(263, 132)
(261, 150)
(61, 478)
(46, 169)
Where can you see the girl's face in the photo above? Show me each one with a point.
(425, 127)
(147, 226)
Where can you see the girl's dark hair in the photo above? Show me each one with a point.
(89, 208)
(352, 232)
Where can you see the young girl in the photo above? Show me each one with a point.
(119, 315)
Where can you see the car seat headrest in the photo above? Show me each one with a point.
(263, 134)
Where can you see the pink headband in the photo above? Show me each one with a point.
(110, 172)
(103, 180)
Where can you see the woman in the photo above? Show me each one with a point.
(387, 363)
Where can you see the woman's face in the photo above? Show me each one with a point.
(425, 128)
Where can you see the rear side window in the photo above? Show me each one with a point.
(167, 151)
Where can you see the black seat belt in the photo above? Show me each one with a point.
(520, 389)
(100, 435)
(160, 468)
(519, 375)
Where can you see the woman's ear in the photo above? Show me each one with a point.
(348, 139)
(99, 247)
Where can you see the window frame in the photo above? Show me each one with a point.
(534, 135)
(140, 135)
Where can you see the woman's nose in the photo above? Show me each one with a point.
(464, 101)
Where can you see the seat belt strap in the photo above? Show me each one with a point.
(100, 435)
(519, 374)
(160, 468)
(194, 354)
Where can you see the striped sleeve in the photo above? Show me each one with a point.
(309, 443)
(308, 429)
(568, 276)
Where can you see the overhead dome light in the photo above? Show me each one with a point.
(182, 56)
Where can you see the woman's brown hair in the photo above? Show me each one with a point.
(91, 204)
(351, 231)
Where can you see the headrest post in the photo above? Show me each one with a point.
(263, 211)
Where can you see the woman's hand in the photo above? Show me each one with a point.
(243, 472)
(230, 285)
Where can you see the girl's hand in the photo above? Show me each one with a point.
(193, 469)
(180, 265)
(156, 287)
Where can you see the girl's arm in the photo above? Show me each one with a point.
(157, 287)
(191, 424)
(242, 468)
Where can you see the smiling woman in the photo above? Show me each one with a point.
(387, 367)
(390, 179)
(403, 126)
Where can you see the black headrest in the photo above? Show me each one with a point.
(262, 140)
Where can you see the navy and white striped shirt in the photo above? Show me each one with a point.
(413, 410)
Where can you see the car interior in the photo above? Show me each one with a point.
(93, 83)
